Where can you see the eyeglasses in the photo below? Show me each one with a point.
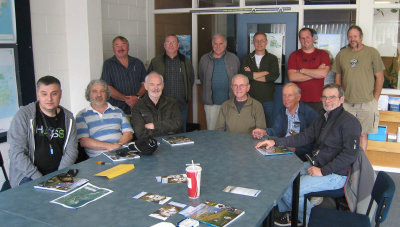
(260, 41)
(330, 98)
(241, 86)
(170, 42)
(68, 177)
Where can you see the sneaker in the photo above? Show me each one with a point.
(316, 200)
(284, 219)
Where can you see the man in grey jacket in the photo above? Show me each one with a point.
(42, 135)
(216, 70)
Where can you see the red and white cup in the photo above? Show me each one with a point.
(193, 173)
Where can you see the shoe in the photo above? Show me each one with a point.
(284, 219)
(316, 200)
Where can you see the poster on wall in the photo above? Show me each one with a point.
(7, 22)
(332, 44)
(8, 89)
(275, 47)
(185, 45)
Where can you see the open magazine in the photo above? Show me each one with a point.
(214, 214)
(275, 150)
(172, 179)
(61, 183)
(128, 155)
(178, 140)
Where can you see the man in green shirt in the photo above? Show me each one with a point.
(359, 70)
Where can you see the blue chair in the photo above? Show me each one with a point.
(382, 194)
(337, 193)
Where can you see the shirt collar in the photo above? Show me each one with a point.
(109, 106)
(295, 112)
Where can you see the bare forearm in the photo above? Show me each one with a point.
(125, 138)
(316, 73)
(338, 79)
(116, 94)
(378, 84)
(296, 76)
(260, 76)
(94, 144)
(142, 90)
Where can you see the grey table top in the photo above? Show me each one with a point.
(226, 159)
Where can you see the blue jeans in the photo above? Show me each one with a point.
(184, 113)
(25, 180)
(309, 184)
(268, 109)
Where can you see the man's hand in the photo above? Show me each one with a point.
(247, 69)
(113, 146)
(314, 171)
(322, 66)
(258, 133)
(267, 143)
(149, 126)
(292, 149)
(131, 100)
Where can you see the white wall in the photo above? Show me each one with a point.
(126, 18)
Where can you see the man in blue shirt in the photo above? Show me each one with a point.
(101, 126)
(292, 119)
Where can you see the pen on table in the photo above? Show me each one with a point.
(102, 163)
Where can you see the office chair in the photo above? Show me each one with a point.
(382, 194)
(6, 184)
(338, 193)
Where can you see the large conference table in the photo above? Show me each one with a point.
(226, 159)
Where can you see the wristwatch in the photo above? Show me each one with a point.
(138, 96)
(300, 71)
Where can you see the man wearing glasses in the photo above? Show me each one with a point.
(294, 117)
(262, 69)
(178, 74)
(124, 75)
(42, 135)
(336, 135)
(241, 113)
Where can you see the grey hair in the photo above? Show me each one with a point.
(336, 86)
(153, 73)
(101, 82)
(47, 80)
(218, 35)
(298, 90)
(241, 75)
(123, 39)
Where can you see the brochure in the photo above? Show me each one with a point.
(275, 150)
(149, 197)
(214, 214)
(172, 179)
(242, 191)
(61, 183)
(128, 155)
(178, 140)
(81, 196)
(167, 210)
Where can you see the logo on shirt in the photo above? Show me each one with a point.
(353, 63)
(52, 132)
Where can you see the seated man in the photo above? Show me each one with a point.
(101, 126)
(336, 134)
(292, 119)
(241, 113)
(42, 135)
(155, 114)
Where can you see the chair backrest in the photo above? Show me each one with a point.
(2, 167)
(382, 194)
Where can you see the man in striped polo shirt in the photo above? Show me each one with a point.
(101, 126)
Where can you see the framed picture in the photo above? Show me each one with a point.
(9, 88)
(7, 22)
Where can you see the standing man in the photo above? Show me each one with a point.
(156, 114)
(101, 126)
(178, 74)
(124, 75)
(262, 69)
(294, 117)
(216, 70)
(42, 135)
(308, 68)
(241, 113)
(359, 69)
(336, 136)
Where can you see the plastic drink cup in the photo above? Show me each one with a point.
(193, 173)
